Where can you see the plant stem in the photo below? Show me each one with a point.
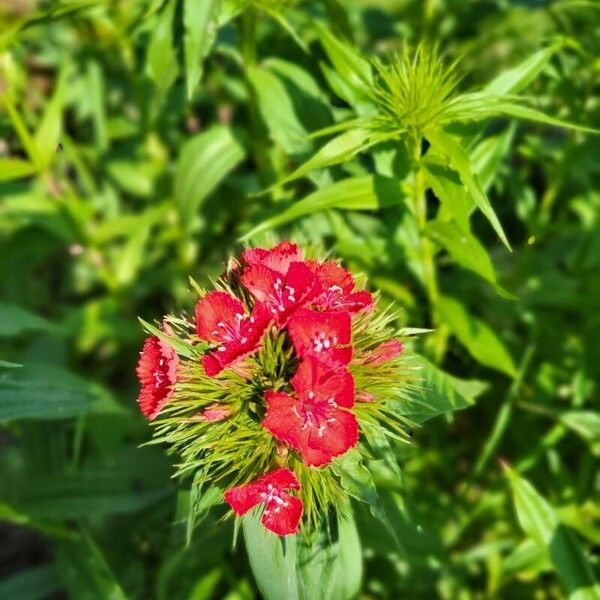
(427, 251)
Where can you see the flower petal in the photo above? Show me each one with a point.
(280, 519)
(277, 259)
(341, 435)
(212, 309)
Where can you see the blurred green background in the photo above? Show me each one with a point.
(134, 137)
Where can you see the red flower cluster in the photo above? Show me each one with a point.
(314, 304)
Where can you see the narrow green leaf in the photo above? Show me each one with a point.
(369, 192)
(513, 80)
(273, 559)
(488, 155)
(541, 523)
(180, 347)
(205, 160)
(49, 129)
(458, 158)
(200, 25)
(161, 59)
(15, 168)
(476, 336)
(438, 392)
(36, 583)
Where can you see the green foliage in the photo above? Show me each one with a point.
(141, 141)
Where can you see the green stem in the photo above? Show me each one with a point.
(427, 252)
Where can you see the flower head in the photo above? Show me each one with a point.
(157, 372)
(282, 511)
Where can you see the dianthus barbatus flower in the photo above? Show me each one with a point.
(282, 511)
(157, 372)
(222, 319)
(308, 368)
(316, 421)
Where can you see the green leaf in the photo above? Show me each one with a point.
(161, 59)
(15, 168)
(47, 135)
(179, 346)
(205, 160)
(369, 192)
(43, 392)
(465, 249)
(85, 571)
(487, 156)
(278, 111)
(438, 392)
(458, 158)
(476, 336)
(541, 523)
(348, 64)
(585, 423)
(357, 482)
(341, 148)
(513, 80)
(200, 30)
(272, 559)
(15, 320)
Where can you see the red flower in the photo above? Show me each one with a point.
(222, 319)
(282, 293)
(384, 352)
(315, 422)
(325, 335)
(157, 372)
(337, 285)
(282, 511)
(277, 259)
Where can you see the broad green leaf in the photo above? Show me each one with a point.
(437, 392)
(205, 160)
(43, 392)
(541, 523)
(200, 29)
(369, 192)
(15, 168)
(513, 80)
(85, 572)
(278, 111)
(358, 483)
(528, 557)
(586, 423)
(464, 248)
(15, 320)
(273, 559)
(161, 59)
(341, 148)
(458, 158)
(35, 583)
(476, 336)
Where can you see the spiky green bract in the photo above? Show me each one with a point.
(236, 449)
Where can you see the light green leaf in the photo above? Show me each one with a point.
(541, 523)
(161, 59)
(205, 160)
(278, 111)
(488, 155)
(15, 168)
(200, 25)
(465, 249)
(476, 336)
(369, 192)
(85, 571)
(586, 423)
(273, 559)
(47, 135)
(458, 158)
(341, 148)
(438, 392)
(515, 79)
(15, 320)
